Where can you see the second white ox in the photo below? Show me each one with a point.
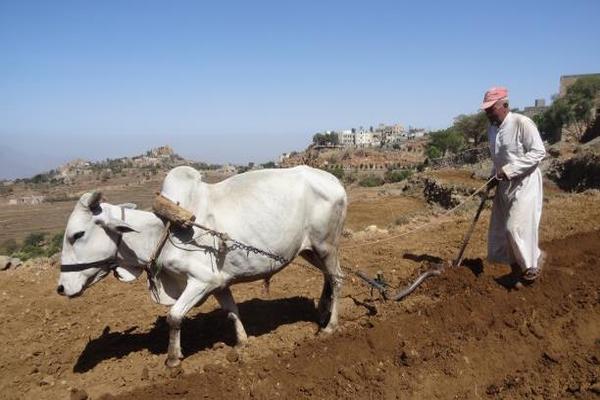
(285, 212)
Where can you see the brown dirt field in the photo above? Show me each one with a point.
(454, 176)
(389, 210)
(459, 336)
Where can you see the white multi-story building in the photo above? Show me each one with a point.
(396, 138)
(377, 138)
(416, 133)
(383, 135)
(363, 138)
(346, 138)
(391, 134)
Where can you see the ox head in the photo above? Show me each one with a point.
(90, 244)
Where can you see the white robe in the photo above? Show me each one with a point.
(517, 149)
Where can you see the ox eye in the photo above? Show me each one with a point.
(77, 236)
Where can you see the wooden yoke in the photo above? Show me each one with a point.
(172, 212)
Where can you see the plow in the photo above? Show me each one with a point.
(435, 268)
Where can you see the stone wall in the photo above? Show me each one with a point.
(580, 172)
(470, 156)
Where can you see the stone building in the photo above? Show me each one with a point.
(576, 131)
(567, 80)
(539, 107)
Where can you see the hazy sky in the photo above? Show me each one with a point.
(244, 81)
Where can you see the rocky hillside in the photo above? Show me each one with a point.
(408, 154)
(69, 180)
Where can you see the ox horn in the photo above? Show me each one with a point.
(94, 200)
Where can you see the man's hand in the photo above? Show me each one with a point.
(501, 176)
(492, 182)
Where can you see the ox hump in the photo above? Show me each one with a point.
(181, 184)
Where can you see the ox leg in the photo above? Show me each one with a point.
(331, 290)
(225, 299)
(328, 263)
(194, 293)
(324, 307)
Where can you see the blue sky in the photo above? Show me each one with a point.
(244, 81)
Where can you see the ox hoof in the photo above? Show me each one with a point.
(173, 362)
(328, 330)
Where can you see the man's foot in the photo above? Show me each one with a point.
(530, 275)
(521, 279)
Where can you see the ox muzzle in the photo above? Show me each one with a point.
(110, 262)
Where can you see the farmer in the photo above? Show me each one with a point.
(517, 149)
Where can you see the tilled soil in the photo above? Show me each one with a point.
(461, 335)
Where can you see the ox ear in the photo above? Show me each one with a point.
(116, 225)
(120, 226)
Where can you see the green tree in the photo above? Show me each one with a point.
(575, 109)
(325, 138)
(473, 127)
(444, 141)
(581, 98)
(551, 122)
(433, 152)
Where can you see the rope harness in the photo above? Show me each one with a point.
(110, 261)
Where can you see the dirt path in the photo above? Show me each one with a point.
(462, 335)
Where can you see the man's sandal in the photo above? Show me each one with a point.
(530, 275)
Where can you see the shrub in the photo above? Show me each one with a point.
(33, 239)
(35, 245)
(27, 252)
(397, 175)
(55, 245)
(371, 181)
(433, 152)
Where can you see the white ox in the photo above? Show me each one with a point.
(285, 212)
